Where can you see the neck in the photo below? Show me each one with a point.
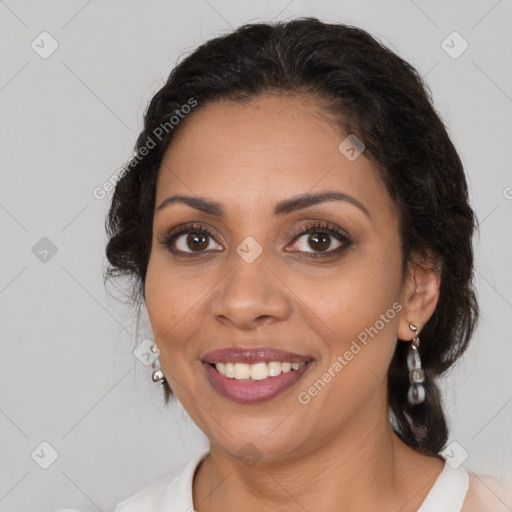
(368, 468)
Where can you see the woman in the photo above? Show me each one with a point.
(297, 224)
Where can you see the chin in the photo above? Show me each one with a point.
(258, 443)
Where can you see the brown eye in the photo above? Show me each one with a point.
(188, 240)
(191, 241)
(321, 239)
(196, 241)
(319, 242)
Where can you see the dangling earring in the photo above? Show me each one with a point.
(158, 374)
(416, 394)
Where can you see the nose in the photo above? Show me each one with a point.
(251, 295)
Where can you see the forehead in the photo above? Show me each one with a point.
(268, 148)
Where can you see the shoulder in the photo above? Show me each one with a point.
(448, 491)
(174, 488)
(147, 498)
(486, 494)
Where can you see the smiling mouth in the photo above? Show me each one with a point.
(257, 382)
(257, 371)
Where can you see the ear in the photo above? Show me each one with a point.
(420, 294)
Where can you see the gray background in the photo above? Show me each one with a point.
(68, 375)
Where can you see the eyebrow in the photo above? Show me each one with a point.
(282, 208)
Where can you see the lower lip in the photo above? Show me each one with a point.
(248, 391)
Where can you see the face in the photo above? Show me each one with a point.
(249, 279)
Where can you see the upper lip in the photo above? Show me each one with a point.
(253, 355)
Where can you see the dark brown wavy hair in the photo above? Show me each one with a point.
(370, 92)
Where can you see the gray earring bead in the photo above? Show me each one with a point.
(416, 393)
(158, 376)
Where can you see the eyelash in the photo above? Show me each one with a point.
(314, 228)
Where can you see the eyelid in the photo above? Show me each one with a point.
(313, 226)
(325, 227)
(321, 226)
(169, 236)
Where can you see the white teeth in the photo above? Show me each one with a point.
(242, 371)
(286, 367)
(257, 371)
(230, 370)
(274, 369)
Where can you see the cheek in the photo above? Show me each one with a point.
(359, 309)
(170, 301)
(355, 295)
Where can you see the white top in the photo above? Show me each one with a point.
(173, 493)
